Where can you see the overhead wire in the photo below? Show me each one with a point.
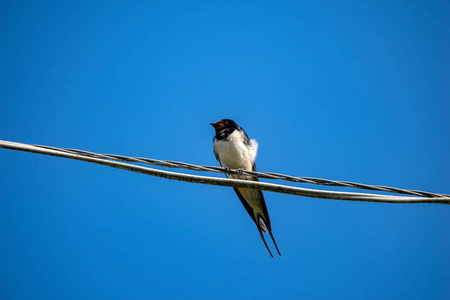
(116, 161)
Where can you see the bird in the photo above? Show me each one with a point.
(234, 150)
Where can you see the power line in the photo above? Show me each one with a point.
(266, 175)
(114, 161)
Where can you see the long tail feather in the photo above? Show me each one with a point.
(275, 243)
(260, 232)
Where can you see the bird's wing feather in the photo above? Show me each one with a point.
(266, 213)
(266, 222)
(246, 138)
(265, 216)
(248, 208)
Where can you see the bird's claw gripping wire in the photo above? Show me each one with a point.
(239, 171)
(228, 171)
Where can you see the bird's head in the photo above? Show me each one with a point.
(223, 124)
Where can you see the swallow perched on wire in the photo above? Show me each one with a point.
(234, 150)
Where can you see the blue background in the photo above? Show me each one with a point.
(347, 90)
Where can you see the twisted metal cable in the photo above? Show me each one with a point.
(266, 175)
(113, 161)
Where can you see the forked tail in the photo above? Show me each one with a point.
(260, 232)
(262, 228)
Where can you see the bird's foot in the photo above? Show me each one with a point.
(240, 170)
(228, 171)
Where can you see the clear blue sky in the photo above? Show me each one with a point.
(344, 90)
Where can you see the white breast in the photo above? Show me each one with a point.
(234, 154)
